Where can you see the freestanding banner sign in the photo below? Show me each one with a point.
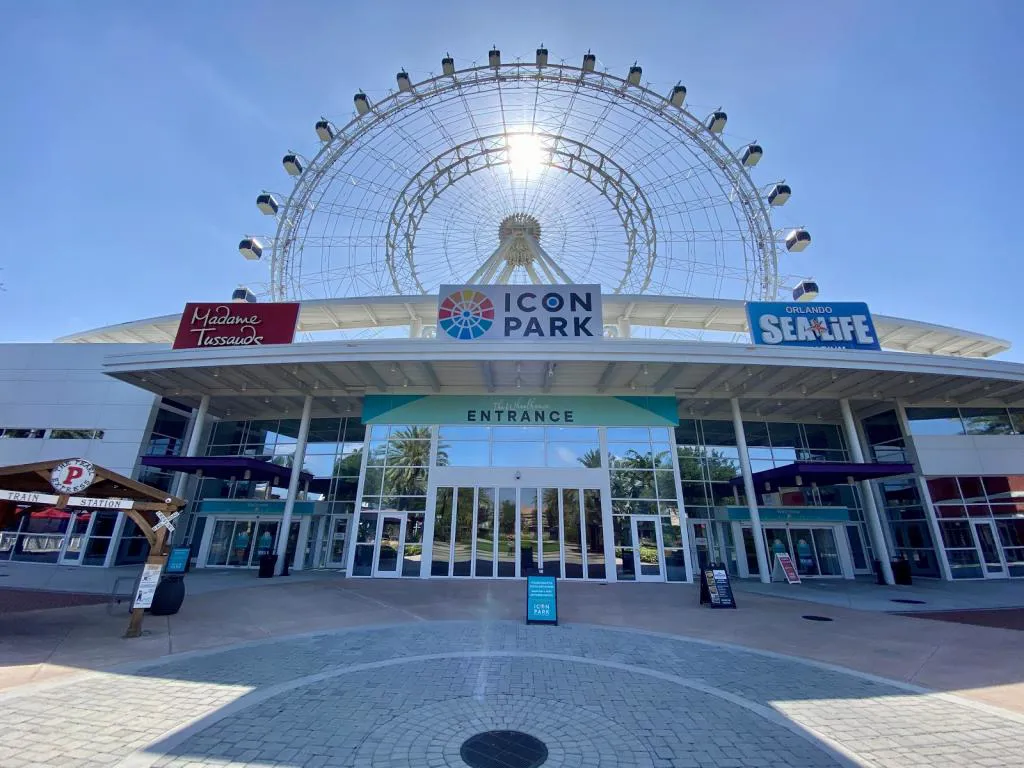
(541, 600)
(519, 312)
(784, 568)
(238, 324)
(716, 589)
(839, 325)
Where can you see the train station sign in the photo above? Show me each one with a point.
(836, 325)
(519, 312)
(239, 324)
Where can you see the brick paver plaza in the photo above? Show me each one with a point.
(410, 694)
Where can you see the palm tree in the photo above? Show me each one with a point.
(591, 459)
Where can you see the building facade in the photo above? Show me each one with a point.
(611, 458)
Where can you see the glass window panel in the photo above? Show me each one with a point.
(220, 543)
(379, 432)
(671, 534)
(354, 432)
(662, 456)
(634, 507)
(324, 430)
(412, 555)
(464, 454)
(631, 455)
(691, 463)
(632, 484)
(405, 481)
(856, 539)
(827, 551)
(378, 453)
(572, 533)
(485, 532)
(759, 465)
(785, 434)
(517, 454)
(625, 566)
(934, 421)
(665, 482)
(409, 451)
(686, 433)
(756, 433)
(956, 533)
(373, 481)
(964, 563)
(462, 562)
(943, 489)
(594, 533)
(759, 453)
(507, 532)
(362, 562)
(695, 494)
(551, 551)
(718, 433)
(986, 421)
(441, 556)
(464, 433)
(1017, 419)
(826, 436)
(629, 435)
(971, 488)
(1002, 488)
(528, 552)
(572, 455)
(675, 564)
(782, 456)
(573, 435)
(513, 434)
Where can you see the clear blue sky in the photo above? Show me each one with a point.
(137, 135)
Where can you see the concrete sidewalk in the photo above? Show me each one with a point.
(979, 662)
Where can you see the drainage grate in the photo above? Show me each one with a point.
(503, 749)
(906, 600)
(812, 617)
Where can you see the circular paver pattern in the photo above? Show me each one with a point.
(413, 694)
(503, 749)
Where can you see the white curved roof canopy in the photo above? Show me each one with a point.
(675, 312)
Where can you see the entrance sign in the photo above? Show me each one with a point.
(519, 312)
(72, 476)
(840, 325)
(236, 325)
(716, 589)
(147, 585)
(554, 410)
(784, 568)
(541, 600)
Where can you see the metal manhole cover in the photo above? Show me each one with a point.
(503, 749)
(906, 600)
(812, 617)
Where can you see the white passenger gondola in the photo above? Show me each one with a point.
(716, 121)
(404, 83)
(494, 58)
(448, 65)
(292, 164)
(589, 62)
(542, 57)
(267, 204)
(635, 73)
(243, 294)
(805, 290)
(362, 103)
(678, 95)
(251, 248)
(751, 155)
(324, 131)
(779, 194)
(797, 240)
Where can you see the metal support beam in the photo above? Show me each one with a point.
(748, 489)
(435, 383)
(602, 383)
(293, 485)
(371, 375)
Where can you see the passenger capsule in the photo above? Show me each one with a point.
(805, 290)
(716, 121)
(542, 57)
(448, 65)
(634, 75)
(362, 103)
(404, 83)
(797, 240)
(494, 58)
(324, 131)
(752, 155)
(292, 164)
(589, 62)
(779, 194)
(251, 248)
(243, 294)
(678, 95)
(267, 204)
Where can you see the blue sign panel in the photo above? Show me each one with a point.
(541, 600)
(177, 561)
(839, 325)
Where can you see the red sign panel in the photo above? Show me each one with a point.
(240, 324)
(784, 562)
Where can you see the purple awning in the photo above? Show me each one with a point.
(226, 467)
(822, 473)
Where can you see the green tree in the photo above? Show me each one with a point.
(591, 459)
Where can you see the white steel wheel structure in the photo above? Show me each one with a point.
(524, 172)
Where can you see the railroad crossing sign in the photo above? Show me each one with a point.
(166, 521)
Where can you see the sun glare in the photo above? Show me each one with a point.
(526, 154)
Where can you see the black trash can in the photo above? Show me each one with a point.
(267, 563)
(901, 571)
(168, 597)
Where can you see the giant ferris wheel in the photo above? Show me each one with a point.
(519, 172)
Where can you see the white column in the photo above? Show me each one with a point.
(299, 561)
(607, 531)
(181, 482)
(748, 487)
(867, 497)
(683, 517)
(293, 484)
(926, 496)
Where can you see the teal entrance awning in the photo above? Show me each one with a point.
(807, 515)
(244, 507)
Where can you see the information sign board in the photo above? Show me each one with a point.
(541, 600)
(147, 585)
(784, 568)
(177, 561)
(716, 589)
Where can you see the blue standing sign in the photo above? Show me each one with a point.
(822, 325)
(177, 560)
(541, 600)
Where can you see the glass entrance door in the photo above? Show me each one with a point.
(390, 543)
(78, 533)
(991, 559)
(647, 549)
(814, 549)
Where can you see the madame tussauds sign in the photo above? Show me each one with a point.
(236, 325)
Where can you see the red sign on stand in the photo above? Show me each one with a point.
(240, 324)
(784, 567)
